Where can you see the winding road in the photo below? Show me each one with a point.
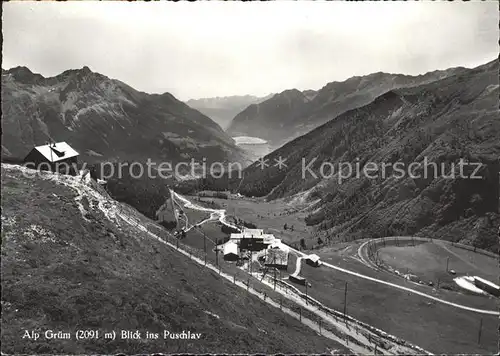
(216, 214)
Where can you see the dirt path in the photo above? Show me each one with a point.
(216, 214)
(298, 265)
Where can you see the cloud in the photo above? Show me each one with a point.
(205, 49)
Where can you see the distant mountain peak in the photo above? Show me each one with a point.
(292, 113)
(223, 109)
(85, 71)
(24, 75)
(20, 69)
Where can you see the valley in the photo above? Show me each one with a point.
(274, 178)
(384, 283)
(436, 125)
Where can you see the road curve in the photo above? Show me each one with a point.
(459, 306)
(216, 214)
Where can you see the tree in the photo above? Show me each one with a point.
(284, 227)
(320, 242)
(169, 225)
(303, 244)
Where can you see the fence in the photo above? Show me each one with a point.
(375, 244)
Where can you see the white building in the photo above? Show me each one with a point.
(231, 251)
(313, 260)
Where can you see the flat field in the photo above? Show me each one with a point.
(428, 261)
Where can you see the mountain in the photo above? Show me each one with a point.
(440, 122)
(272, 119)
(293, 113)
(105, 119)
(223, 109)
(75, 259)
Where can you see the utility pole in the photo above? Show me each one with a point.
(480, 330)
(205, 246)
(251, 259)
(274, 271)
(50, 149)
(345, 298)
(307, 303)
(217, 252)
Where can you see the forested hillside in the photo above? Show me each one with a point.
(441, 122)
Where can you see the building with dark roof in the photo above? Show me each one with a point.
(57, 157)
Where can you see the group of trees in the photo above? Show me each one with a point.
(214, 194)
(228, 230)
(144, 193)
(169, 225)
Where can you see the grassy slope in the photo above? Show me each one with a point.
(61, 272)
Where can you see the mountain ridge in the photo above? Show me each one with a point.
(278, 124)
(222, 109)
(94, 112)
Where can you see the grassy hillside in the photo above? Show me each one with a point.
(67, 266)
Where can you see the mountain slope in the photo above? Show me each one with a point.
(293, 113)
(440, 122)
(223, 109)
(69, 262)
(104, 119)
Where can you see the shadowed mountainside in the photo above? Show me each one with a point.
(440, 122)
(293, 113)
(104, 119)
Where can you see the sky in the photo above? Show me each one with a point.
(208, 49)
